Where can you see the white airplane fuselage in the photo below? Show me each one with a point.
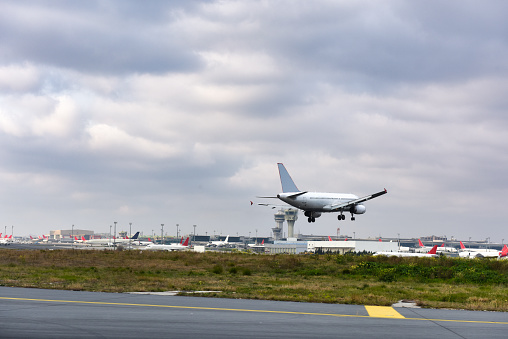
(404, 254)
(172, 247)
(320, 201)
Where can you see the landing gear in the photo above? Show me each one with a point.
(341, 217)
(311, 219)
(352, 217)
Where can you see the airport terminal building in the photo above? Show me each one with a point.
(339, 247)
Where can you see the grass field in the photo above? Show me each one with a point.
(478, 284)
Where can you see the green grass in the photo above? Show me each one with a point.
(478, 284)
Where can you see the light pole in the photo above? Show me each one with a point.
(72, 235)
(110, 234)
(130, 235)
(354, 235)
(177, 231)
(162, 233)
(469, 242)
(194, 232)
(12, 230)
(114, 235)
(398, 238)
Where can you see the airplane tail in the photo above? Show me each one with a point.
(287, 183)
(83, 238)
(226, 241)
(462, 247)
(186, 243)
(329, 238)
(504, 252)
(263, 242)
(433, 250)
(420, 243)
(135, 236)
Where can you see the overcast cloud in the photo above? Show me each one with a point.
(177, 113)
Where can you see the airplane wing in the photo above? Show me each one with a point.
(338, 207)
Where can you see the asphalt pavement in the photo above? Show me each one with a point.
(38, 313)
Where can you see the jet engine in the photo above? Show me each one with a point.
(358, 209)
(312, 214)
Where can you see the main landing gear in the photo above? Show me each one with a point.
(311, 219)
(343, 217)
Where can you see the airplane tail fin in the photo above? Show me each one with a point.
(462, 247)
(420, 243)
(329, 238)
(135, 236)
(433, 250)
(287, 183)
(186, 243)
(227, 238)
(504, 252)
(263, 242)
(83, 238)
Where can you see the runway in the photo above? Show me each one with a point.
(37, 313)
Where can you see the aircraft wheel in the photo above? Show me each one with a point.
(339, 217)
(313, 219)
(343, 217)
(310, 219)
(352, 218)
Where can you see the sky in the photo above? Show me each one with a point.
(177, 112)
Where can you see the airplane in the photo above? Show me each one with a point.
(315, 203)
(444, 248)
(6, 240)
(219, 243)
(170, 247)
(477, 252)
(109, 242)
(256, 245)
(430, 254)
(424, 248)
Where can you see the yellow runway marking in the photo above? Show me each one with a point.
(383, 312)
(260, 311)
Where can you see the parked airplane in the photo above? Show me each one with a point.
(477, 252)
(440, 249)
(315, 203)
(110, 242)
(219, 243)
(256, 245)
(429, 254)
(170, 247)
(6, 240)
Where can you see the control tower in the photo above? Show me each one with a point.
(291, 216)
(285, 214)
(279, 220)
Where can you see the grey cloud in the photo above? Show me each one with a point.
(95, 37)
